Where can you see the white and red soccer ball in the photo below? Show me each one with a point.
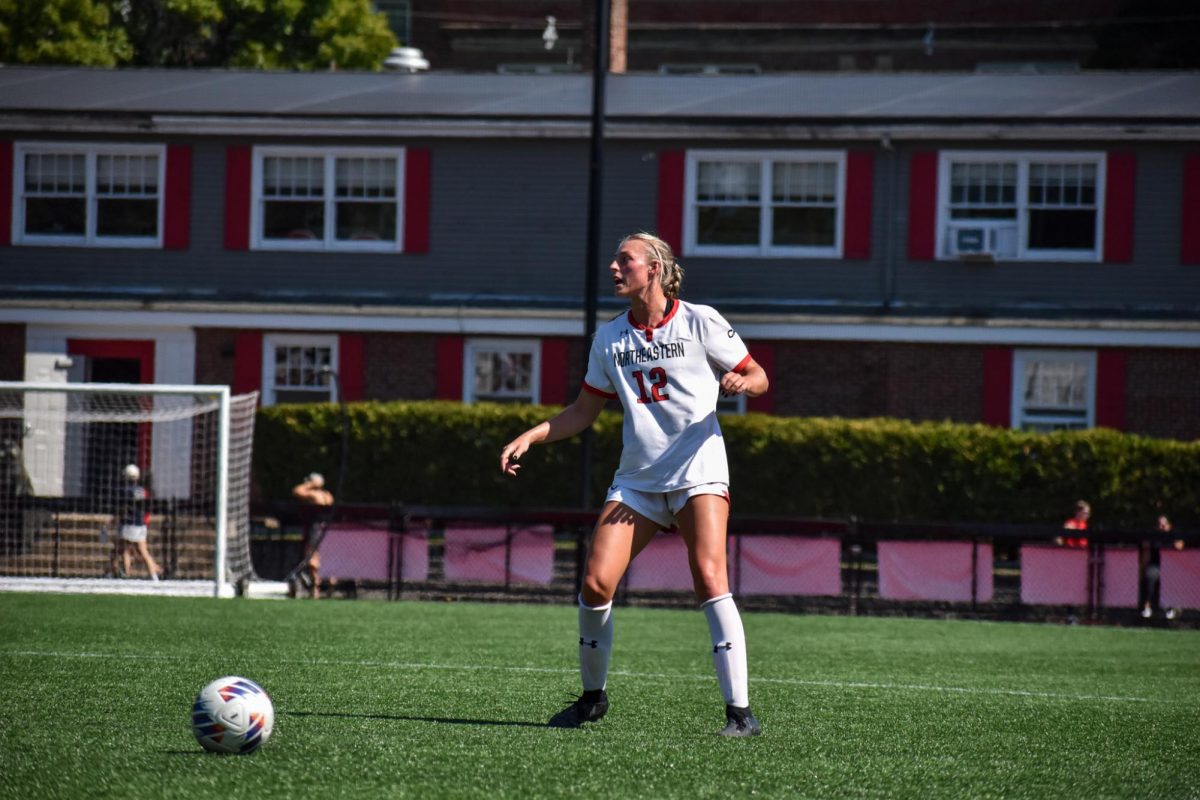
(232, 715)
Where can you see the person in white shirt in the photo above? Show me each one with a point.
(667, 361)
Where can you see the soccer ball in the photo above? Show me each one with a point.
(232, 715)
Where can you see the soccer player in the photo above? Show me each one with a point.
(666, 360)
(133, 520)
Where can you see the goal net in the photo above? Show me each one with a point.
(125, 482)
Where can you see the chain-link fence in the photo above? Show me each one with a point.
(838, 566)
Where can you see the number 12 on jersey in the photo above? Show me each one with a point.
(658, 385)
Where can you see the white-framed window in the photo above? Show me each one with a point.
(765, 203)
(1054, 390)
(341, 199)
(300, 368)
(88, 194)
(1021, 206)
(502, 371)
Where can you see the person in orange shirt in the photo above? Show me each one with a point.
(1077, 522)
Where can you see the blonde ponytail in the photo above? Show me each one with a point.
(670, 275)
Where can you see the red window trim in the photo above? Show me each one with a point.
(671, 179)
(860, 190)
(6, 192)
(1189, 244)
(996, 406)
(177, 199)
(1120, 185)
(238, 177)
(418, 187)
(922, 205)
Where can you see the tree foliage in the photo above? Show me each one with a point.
(62, 32)
(251, 34)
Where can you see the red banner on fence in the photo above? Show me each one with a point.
(935, 571)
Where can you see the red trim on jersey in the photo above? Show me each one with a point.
(587, 387)
(742, 364)
(649, 331)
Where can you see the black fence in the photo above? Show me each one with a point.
(982, 571)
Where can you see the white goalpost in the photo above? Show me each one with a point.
(131, 488)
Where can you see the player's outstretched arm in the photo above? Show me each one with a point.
(563, 425)
(751, 381)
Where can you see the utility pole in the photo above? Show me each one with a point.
(600, 55)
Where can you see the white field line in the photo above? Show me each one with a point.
(410, 665)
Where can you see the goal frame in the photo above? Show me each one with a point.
(221, 585)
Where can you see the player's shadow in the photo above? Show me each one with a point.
(403, 718)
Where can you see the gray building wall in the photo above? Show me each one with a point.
(508, 226)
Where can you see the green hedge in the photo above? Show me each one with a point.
(441, 453)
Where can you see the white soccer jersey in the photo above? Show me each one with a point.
(667, 378)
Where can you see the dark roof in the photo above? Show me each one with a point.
(1153, 97)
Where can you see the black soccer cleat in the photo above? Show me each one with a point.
(590, 707)
(740, 722)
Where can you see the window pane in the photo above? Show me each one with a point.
(728, 182)
(983, 191)
(1061, 229)
(1055, 385)
(803, 226)
(294, 220)
(126, 175)
(56, 216)
(366, 177)
(730, 226)
(293, 177)
(804, 182)
(57, 173)
(1068, 185)
(500, 374)
(127, 218)
(366, 221)
(297, 366)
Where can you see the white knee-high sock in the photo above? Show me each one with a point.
(729, 649)
(595, 644)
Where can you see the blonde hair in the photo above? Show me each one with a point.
(670, 276)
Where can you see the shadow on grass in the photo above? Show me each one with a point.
(403, 718)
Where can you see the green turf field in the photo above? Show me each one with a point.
(430, 700)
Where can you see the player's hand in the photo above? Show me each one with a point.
(733, 383)
(510, 455)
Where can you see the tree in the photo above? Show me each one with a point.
(254, 34)
(61, 32)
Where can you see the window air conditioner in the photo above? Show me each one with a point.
(983, 242)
